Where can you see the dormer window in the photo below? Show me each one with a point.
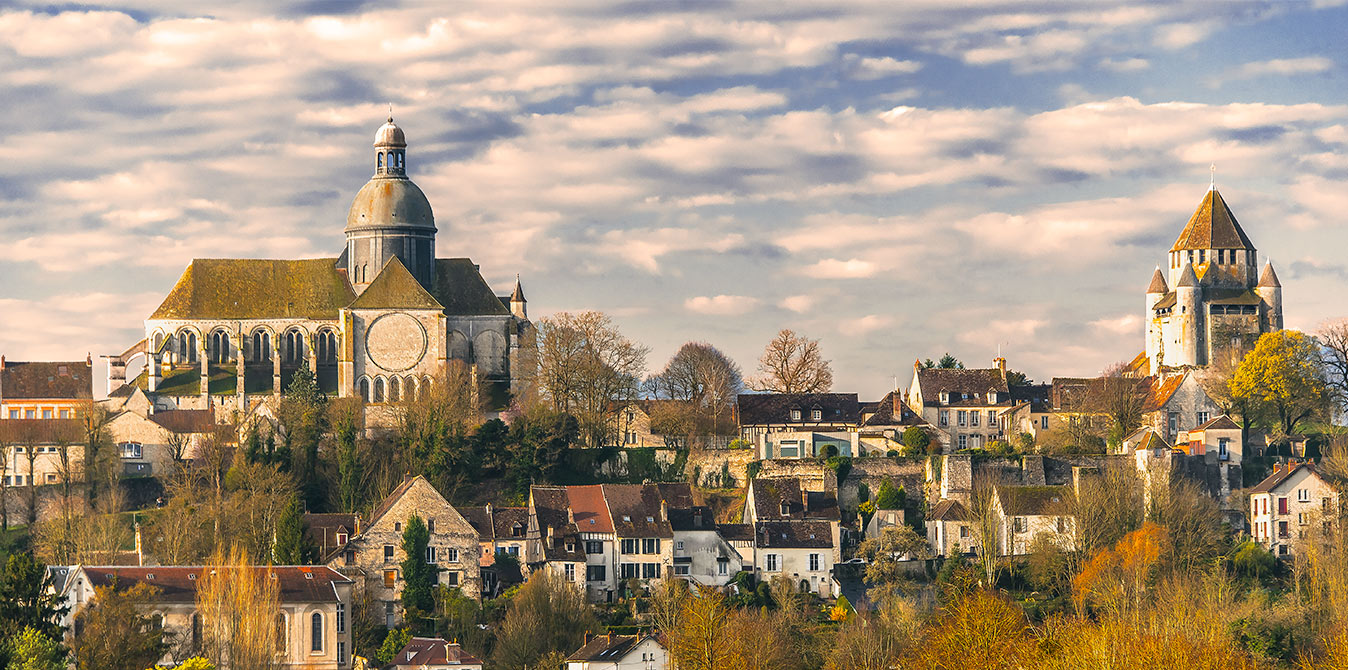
(795, 415)
(341, 538)
(945, 397)
(517, 530)
(786, 509)
(816, 414)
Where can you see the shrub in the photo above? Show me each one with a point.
(889, 497)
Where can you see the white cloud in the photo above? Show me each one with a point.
(864, 325)
(1128, 324)
(832, 268)
(1278, 67)
(878, 68)
(1124, 64)
(798, 303)
(720, 305)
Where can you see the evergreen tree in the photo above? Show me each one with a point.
(305, 421)
(291, 547)
(418, 575)
(348, 463)
(27, 600)
(888, 497)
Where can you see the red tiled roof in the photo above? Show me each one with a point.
(46, 380)
(1160, 392)
(41, 431)
(589, 509)
(1281, 473)
(421, 651)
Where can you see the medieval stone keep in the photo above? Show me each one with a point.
(1220, 302)
(381, 321)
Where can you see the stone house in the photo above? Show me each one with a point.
(700, 554)
(882, 519)
(965, 406)
(44, 389)
(40, 451)
(1024, 513)
(804, 551)
(740, 536)
(883, 424)
(314, 618)
(619, 652)
(645, 539)
(785, 425)
(374, 557)
(1290, 507)
(330, 532)
(553, 540)
(149, 444)
(503, 529)
(433, 653)
(786, 500)
(1217, 441)
(1177, 404)
(948, 530)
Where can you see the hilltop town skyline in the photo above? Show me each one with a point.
(891, 185)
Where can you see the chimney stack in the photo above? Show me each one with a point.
(664, 511)
(1000, 363)
(804, 500)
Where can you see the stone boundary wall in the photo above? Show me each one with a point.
(910, 474)
(719, 468)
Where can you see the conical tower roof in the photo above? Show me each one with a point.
(1157, 283)
(1212, 226)
(1187, 278)
(518, 294)
(1268, 278)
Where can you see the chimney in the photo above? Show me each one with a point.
(697, 517)
(664, 511)
(588, 636)
(89, 359)
(140, 548)
(2, 361)
(488, 510)
(805, 500)
(1000, 363)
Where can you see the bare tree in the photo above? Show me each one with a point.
(1120, 398)
(793, 364)
(239, 603)
(704, 378)
(99, 452)
(985, 525)
(1333, 337)
(585, 366)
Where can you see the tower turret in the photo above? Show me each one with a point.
(518, 305)
(1156, 290)
(1270, 294)
(390, 217)
(1188, 311)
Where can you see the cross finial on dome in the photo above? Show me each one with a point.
(390, 112)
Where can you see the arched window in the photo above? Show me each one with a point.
(187, 347)
(410, 390)
(220, 346)
(281, 632)
(316, 636)
(426, 385)
(326, 344)
(379, 162)
(364, 272)
(393, 389)
(365, 390)
(158, 342)
(261, 346)
(294, 346)
(378, 390)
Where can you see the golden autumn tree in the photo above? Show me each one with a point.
(1283, 376)
(239, 605)
(1115, 579)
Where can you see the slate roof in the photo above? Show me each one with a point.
(422, 651)
(460, 288)
(1212, 226)
(250, 288)
(884, 413)
(322, 530)
(178, 584)
(959, 382)
(1038, 395)
(550, 508)
(1233, 297)
(606, 648)
(794, 535)
(41, 431)
(1281, 473)
(1268, 278)
(46, 380)
(1148, 439)
(699, 517)
(736, 531)
(395, 288)
(1033, 500)
(948, 510)
(1157, 284)
(775, 408)
(770, 493)
(636, 511)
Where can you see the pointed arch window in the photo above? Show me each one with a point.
(378, 390)
(393, 389)
(261, 346)
(365, 390)
(316, 635)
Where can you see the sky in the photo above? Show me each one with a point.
(897, 180)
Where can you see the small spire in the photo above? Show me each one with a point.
(1212, 185)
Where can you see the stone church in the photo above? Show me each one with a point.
(1213, 300)
(381, 321)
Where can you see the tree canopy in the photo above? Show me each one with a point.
(793, 364)
(1283, 379)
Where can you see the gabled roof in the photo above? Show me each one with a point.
(46, 380)
(186, 420)
(608, 648)
(948, 510)
(392, 498)
(1222, 422)
(460, 288)
(589, 509)
(636, 511)
(699, 517)
(793, 535)
(1033, 500)
(885, 416)
(1212, 226)
(251, 288)
(735, 531)
(957, 383)
(322, 530)
(178, 584)
(1147, 439)
(1282, 473)
(1160, 391)
(550, 505)
(775, 408)
(395, 288)
(424, 651)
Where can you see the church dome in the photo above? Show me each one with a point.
(383, 203)
(390, 135)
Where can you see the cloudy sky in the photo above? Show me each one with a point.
(898, 179)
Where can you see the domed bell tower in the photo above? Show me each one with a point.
(390, 217)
